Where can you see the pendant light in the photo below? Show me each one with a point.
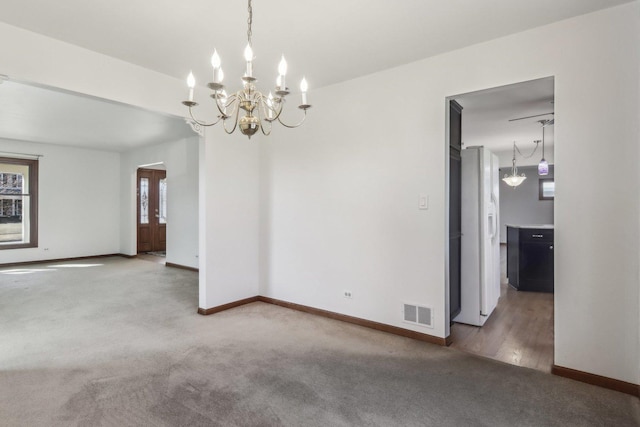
(514, 179)
(543, 166)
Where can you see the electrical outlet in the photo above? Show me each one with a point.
(347, 294)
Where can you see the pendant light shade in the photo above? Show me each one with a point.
(514, 180)
(543, 167)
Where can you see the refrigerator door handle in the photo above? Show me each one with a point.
(494, 202)
(491, 224)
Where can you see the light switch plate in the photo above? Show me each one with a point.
(423, 203)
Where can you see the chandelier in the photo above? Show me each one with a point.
(248, 108)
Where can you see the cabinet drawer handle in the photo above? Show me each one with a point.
(538, 236)
(551, 247)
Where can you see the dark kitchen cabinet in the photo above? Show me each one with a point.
(530, 258)
(455, 208)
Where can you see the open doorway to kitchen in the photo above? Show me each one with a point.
(505, 261)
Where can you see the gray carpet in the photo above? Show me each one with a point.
(157, 253)
(120, 344)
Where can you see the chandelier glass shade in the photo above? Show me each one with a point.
(248, 109)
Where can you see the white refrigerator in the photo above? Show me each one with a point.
(480, 242)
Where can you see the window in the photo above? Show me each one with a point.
(18, 203)
(162, 203)
(547, 189)
(144, 201)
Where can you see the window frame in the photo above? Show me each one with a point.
(541, 195)
(32, 193)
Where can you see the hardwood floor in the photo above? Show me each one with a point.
(519, 331)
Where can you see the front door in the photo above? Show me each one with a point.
(152, 210)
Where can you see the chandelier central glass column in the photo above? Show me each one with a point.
(248, 109)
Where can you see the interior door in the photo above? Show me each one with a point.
(152, 210)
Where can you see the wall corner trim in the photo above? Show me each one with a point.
(223, 307)
(598, 380)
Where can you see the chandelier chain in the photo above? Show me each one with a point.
(249, 22)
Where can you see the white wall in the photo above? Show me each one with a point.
(229, 217)
(341, 206)
(505, 158)
(78, 202)
(181, 161)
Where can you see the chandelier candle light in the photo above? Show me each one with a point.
(259, 111)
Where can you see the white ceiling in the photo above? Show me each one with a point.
(39, 114)
(327, 41)
(486, 115)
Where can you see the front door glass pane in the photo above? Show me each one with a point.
(144, 200)
(162, 201)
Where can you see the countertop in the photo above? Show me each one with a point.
(548, 226)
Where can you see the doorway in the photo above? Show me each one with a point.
(520, 329)
(151, 190)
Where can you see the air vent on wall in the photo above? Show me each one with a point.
(418, 315)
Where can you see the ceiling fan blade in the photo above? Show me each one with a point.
(530, 117)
